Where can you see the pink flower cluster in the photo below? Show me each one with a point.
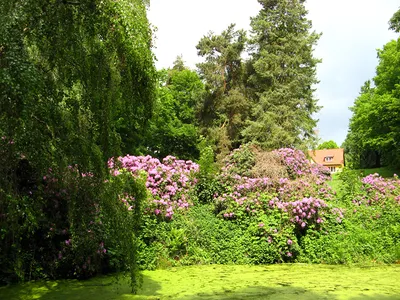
(304, 212)
(246, 184)
(378, 190)
(298, 165)
(286, 190)
(339, 212)
(259, 195)
(8, 141)
(168, 182)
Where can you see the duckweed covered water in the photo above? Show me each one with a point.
(295, 281)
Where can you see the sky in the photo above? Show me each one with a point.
(352, 31)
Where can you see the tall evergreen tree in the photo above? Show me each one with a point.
(281, 75)
(225, 107)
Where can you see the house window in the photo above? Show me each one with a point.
(328, 158)
(332, 169)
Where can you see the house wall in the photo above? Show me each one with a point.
(335, 168)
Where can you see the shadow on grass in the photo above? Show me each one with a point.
(106, 289)
(284, 292)
(260, 292)
(376, 297)
(102, 288)
(385, 172)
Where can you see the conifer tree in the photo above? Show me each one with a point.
(225, 107)
(281, 75)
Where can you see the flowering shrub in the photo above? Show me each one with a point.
(284, 208)
(308, 184)
(304, 212)
(377, 190)
(169, 183)
(295, 161)
(364, 228)
(298, 165)
(239, 162)
(268, 219)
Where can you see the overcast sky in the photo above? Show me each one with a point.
(352, 31)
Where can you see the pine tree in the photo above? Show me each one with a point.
(225, 107)
(281, 75)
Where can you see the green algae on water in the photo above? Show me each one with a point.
(288, 281)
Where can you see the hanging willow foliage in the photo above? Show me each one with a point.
(77, 84)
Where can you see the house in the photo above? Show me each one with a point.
(330, 158)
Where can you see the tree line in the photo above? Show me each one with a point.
(78, 86)
(266, 98)
(373, 139)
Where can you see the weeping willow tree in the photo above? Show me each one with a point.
(77, 84)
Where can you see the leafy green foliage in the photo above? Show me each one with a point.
(394, 22)
(198, 237)
(328, 145)
(208, 184)
(374, 126)
(369, 231)
(77, 85)
(173, 128)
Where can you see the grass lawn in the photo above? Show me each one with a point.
(297, 281)
(384, 172)
(335, 182)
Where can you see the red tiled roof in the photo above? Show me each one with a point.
(318, 156)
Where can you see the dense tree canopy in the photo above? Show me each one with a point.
(173, 129)
(328, 145)
(76, 86)
(267, 99)
(374, 131)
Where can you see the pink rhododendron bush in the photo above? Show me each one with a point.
(169, 182)
(261, 207)
(302, 195)
(376, 190)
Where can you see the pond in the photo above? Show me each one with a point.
(289, 281)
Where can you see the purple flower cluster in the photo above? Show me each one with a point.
(305, 212)
(253, 196)
(377, 190)
(298, 165)
(244, 188)
(295, 161)
(253, 184)
(168, 182)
